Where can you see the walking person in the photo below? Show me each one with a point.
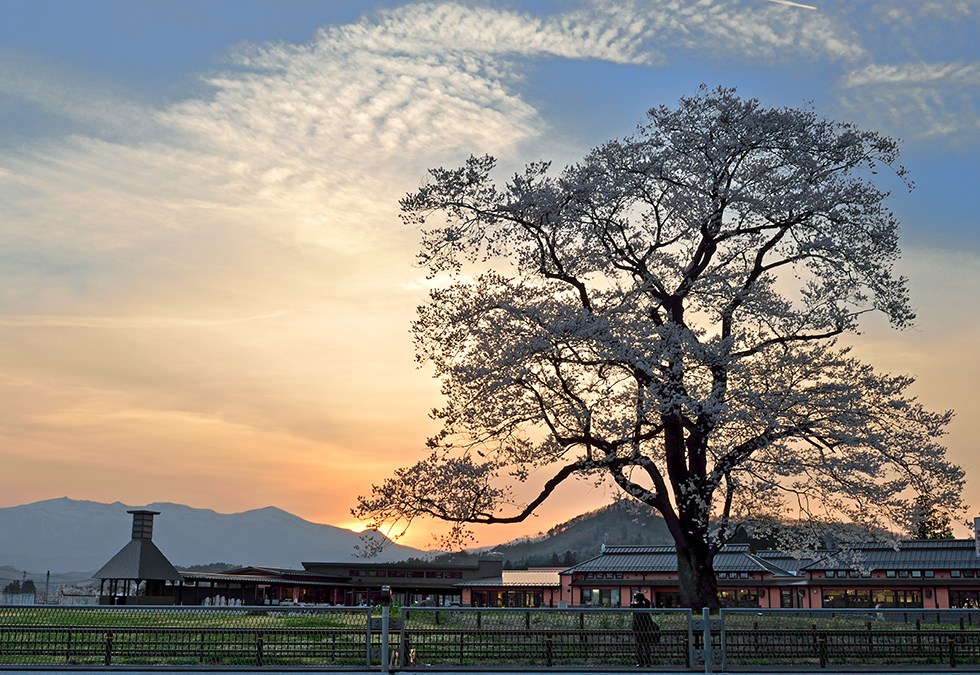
(645, 631)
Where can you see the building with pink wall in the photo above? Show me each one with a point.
(930, 574)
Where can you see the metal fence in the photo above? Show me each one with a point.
(847, 637)
(350, 638)
(544, 638)
(240, 636)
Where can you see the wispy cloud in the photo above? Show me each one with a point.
(907, 12)
(114, 322)
(740, 29)
(917, 100)
(96, 108)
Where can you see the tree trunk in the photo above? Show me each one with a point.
(696, 576)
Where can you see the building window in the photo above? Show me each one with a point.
(590, 575)
(955, 574)
(722, 575)
(964, 599)
(433, 575)
(739, 597)
(602, 597)
(865, 574)
(917, 574)
(968, 574)
(930, 574)
(743, 575)
(619, 575)
(396, 574)
(903, 574)
(901, 599)
(839, 598)
(890, 574)
(829, 574)
(853, 574)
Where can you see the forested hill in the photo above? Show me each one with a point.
(581, 537)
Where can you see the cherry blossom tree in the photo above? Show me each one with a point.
(665, 314)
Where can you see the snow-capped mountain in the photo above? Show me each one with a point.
(66, 535)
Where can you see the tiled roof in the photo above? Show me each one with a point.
(240, 578)
(783, 560)
(936, 554)
(732, 558)
(277, 571)
(139, 559)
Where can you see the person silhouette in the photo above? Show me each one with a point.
(644, 630)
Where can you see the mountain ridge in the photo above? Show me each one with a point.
(64, 534)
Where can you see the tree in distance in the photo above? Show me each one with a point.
(932, 523)
(664, 314)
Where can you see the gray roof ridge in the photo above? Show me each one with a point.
(767, 566)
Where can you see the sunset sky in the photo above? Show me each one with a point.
(205, 288)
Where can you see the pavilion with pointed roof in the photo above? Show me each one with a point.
(140, 573)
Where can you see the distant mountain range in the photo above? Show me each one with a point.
(66, 535)
(578, 539)
(63, 535)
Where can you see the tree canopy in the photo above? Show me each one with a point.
(665, 314)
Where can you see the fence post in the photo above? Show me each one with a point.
(724, 640)
(108, 648)
(258, 649)
(402, 638)
(706, 627)
(952, 651)
(690, 638)
(385, 615)
(367, 637)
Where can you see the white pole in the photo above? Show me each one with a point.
(385, 612)
(706, 616)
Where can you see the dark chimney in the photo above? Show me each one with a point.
(143, 524)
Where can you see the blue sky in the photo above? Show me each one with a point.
(204, 278)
